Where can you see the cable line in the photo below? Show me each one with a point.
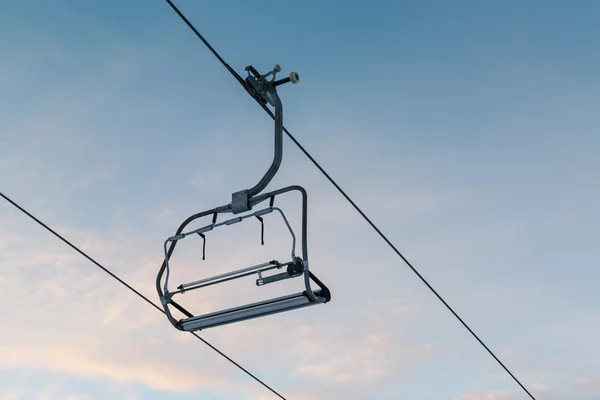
(347, 197)
(122, 282)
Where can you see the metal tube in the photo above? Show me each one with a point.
(247, 312)
(239, 271)
(188, 289)
(159, 289)
(278, 148)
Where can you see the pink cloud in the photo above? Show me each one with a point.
(593, 383)
(487, 396)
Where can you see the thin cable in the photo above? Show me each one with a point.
(333, 182)
(212, 50)
(121, 281)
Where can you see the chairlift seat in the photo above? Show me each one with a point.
(250, 311)
(297, 267)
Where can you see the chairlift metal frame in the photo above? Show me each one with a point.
(242, 202)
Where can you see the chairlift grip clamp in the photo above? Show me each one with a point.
(240, 202)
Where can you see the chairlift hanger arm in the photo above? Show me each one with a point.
(264, 91)
(278, 149)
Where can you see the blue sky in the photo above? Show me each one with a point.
(467, 131)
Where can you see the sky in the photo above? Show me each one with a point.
(467, 131)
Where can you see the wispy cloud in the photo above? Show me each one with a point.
(592, 383)
(87, 325)
(487, 396)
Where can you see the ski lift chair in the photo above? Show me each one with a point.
(264, 91)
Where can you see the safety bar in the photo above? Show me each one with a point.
(230, 276)
(254, 268)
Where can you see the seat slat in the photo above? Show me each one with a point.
(250, 311)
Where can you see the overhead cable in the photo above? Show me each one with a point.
(347, 197)
(122, 282)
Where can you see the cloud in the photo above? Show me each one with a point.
(592, 383)
(487, 396)
(76, 320)
(72, 318)
(98, 359)
(351, 346)
(370, 356)
(77, 397)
